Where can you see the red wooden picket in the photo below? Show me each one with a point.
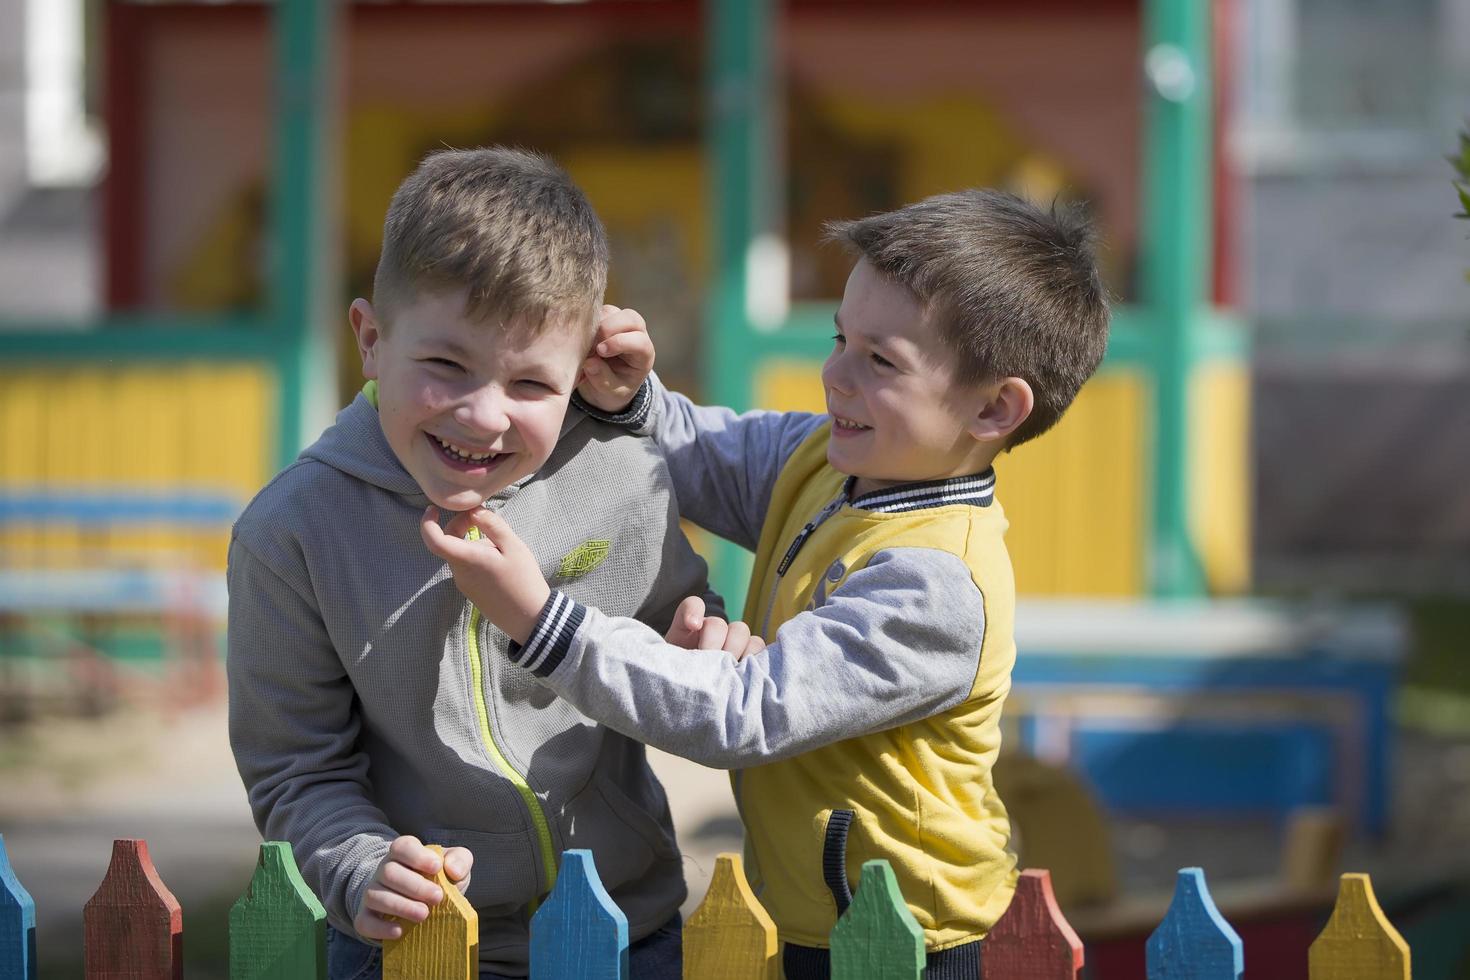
(133, 926)
(1032, 941)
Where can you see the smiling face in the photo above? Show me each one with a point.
(898, 414)
(468, 407)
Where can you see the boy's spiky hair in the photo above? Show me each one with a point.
(1013, 288)
(506, 225)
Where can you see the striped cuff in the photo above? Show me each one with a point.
(552, 637)
(631, 417)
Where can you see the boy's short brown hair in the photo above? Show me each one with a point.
(507, 225)
(1014, 289)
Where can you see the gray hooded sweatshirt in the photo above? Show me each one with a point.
(369, 699)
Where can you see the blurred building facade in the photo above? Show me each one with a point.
(1354, 278)
(1333, 237)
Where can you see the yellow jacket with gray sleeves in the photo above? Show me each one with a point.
(368, 699)
(889, 619)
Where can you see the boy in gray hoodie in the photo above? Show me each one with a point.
(372, 709)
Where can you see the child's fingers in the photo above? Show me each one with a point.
(448, 546)
(409, 884)
(712, 633)
(459, 525)
(431, 532)
(451, 543)
(493, 528)
(457, 864)
(609, 321)
(410, 852)
(370, 925)
(630, 358)
(753, 646)
(736, 638)
(690, 613)
(597, 372)
(385, 901)
(688, 618)
(631, 345)
(615, 320)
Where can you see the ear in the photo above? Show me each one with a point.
(368, 331)
(1008, 403)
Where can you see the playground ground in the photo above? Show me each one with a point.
(69, 786)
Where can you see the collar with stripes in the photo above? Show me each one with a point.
(977, 489)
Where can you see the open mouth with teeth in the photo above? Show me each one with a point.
(848, 426)
(464, 459)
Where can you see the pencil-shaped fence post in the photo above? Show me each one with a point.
(133, 926)
(278, 929)
(731, 935)
(1358, 943)
(445, 946)
(17, 924)
(1194, 942)
(877, 937)
(1033, 940)
(578, 933)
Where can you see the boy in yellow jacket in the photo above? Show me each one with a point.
(868, 726)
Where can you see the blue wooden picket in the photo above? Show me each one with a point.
(1194, 942)
(17, 924)
(579, 933)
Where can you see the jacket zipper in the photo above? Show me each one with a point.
(737, 779)
(801, 538)
(482, 711)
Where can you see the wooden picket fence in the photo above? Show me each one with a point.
(134, 929)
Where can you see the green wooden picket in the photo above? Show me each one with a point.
(278, 929)
(877, 937)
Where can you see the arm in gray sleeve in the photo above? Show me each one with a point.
(681, 573)
(293, 729)
(898, 641)
(724, 465)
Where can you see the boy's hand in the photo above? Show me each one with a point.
(693, 630)
(403, 887)
(621, 357)
(497, 573)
